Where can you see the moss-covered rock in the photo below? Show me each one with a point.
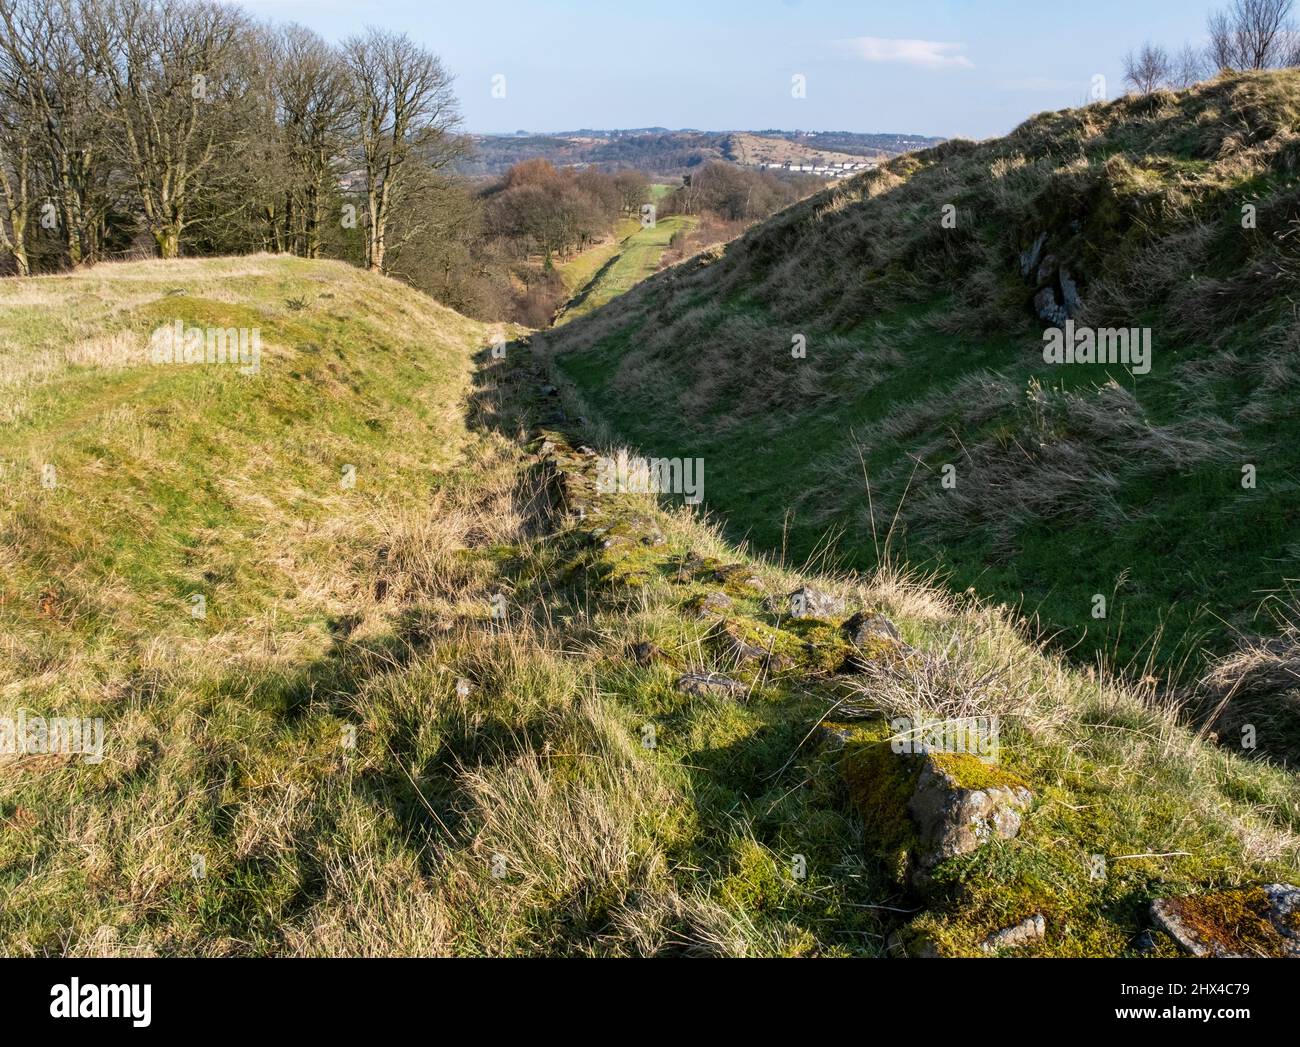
(863, 628)
(742, 642)
(1028, 931)
(880, 784)
(959, 805)
(710, 605)
(1248, 921)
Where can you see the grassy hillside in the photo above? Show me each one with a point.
(924, 350)
(450, 709)
(174, 483)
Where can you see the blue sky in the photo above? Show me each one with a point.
(973, 68)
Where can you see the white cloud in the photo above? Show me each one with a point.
(925, 54)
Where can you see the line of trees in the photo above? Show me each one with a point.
(185, 127)
(1250, 34)
(543, 210)
(737, 194)
(133, 128)
(530, 217)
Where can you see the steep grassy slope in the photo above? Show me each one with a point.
(923, 330)
(183, 554)
(440, 710)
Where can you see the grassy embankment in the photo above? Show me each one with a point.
(924, 351)
(598, 276)
(356, 757)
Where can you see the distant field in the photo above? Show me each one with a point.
(756, 149)
(637, 257)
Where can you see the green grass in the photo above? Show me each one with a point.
(579, 271)
(583, 267)
(637, 257)
(309, 744)
(899, 313)
(1108, 769)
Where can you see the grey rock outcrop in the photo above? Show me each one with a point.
(1030, 258)
(953, 818)
(714, 603)
(863, 628)
(1057, 296)
(806, 602)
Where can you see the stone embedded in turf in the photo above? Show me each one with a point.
(959, 805)
(1026, 932)
(1244, 922)
(806, 602)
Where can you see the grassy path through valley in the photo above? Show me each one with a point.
(635, 258)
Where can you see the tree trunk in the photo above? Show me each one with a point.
(313, 218)
(169, 242)
(19, 250)
(70, 206)
(17, 245)
(292, 236)
(375, 234)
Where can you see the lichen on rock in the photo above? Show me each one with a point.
(1248, 921)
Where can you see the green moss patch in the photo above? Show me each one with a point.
(970, 772)
(880, 783)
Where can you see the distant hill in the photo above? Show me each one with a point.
(660, 151)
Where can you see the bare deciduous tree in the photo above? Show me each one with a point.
(311, 87)
(1148, 69)
(40, 50)
(17, 131)
(167, 67)
(1252, 34)
(633, 188)
(404, 113)
(1189, 67)
(15, 183)
(1292, 49)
